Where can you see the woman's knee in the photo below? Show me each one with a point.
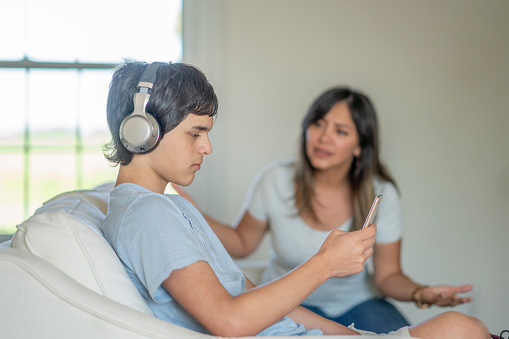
(451, 325)
(469, 326)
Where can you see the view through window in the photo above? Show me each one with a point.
(56, 61)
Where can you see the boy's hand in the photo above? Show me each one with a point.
(345, 252)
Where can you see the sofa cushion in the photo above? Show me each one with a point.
(66, 231)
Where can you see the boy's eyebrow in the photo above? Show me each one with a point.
(201, 128)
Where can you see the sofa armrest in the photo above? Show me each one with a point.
(40, 301)
(37, 300)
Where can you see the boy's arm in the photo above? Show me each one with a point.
(197, 288)
(310, 319)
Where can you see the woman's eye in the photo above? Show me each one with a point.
(318, 124)
(341, 132)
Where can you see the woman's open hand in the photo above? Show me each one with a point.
(445, 295)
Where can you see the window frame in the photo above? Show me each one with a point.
(26, 148)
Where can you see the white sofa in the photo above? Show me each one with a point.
(60, 278)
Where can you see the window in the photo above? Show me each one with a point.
(55, 75)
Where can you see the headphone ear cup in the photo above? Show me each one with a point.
(140, 134)
(140, 131)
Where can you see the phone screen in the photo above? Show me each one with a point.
(372, 211)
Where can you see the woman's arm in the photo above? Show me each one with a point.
(242, 240)
(198, 290)
(387, 272)
(391, 281)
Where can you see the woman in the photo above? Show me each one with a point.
(332, 186)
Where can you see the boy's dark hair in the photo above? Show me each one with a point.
(179, 89)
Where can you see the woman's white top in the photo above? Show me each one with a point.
(271, 199)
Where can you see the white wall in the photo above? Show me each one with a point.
(438, 74)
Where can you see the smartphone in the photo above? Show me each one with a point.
(372, 211)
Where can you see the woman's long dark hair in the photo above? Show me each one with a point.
(364, 168)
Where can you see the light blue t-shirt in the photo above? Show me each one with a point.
(272, 199)
(154, 234)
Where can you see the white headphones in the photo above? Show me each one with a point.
(140, 132)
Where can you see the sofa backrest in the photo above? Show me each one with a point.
(66, 231)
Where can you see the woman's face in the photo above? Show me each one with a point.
(332, 142)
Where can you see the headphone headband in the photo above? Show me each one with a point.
(145, 84)
(148, 77)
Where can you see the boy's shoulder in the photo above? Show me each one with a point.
(132, 197)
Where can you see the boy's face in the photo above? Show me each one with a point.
(180, 153)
